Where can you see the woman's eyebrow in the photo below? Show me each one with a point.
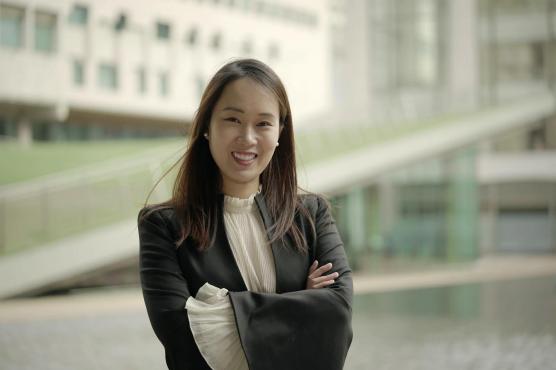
(242, 111)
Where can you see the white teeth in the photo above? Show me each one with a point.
(244, 157)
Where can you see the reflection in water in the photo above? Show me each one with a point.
(503, 325)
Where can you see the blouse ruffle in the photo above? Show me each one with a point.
(210, 313)
(212, 323)
(239, 205)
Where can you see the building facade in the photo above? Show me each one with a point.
(431, 60)
(104, 68)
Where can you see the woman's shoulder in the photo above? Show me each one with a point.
(313, 202)
(160, 214)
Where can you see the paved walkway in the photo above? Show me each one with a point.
(493, 268)
(120, 300)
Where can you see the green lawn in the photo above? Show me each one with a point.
(21, 164)
(55, 212)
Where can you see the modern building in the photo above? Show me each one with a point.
(428, 60)
(96, 69)
(468, 85)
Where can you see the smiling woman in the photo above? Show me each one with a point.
(243, 135)
(230, 264)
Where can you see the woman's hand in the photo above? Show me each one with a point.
(315, 280)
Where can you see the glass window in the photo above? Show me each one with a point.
(108, 76)
(216, 42)
(7, 128)
(518, 62)
(79, 15)
(192, 36)
(163, 86)
(121, 22)
(409, 44)
(273, 9)
(11, 26)
(45, 31)
(260, 7)
(78, 73)
(247, 5)
(141, 80)
(162, 31)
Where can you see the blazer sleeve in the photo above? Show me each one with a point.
(307, 329)
(165, 292)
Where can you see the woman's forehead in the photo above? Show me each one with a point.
(249, 96)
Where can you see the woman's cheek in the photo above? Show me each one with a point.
(269, 147)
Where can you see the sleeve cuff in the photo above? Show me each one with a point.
(212, 323)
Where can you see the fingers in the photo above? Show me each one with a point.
(321, 270)
(313, 267)
(324, 278)
(323, 284)
(316, 279)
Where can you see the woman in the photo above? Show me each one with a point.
(238, 269)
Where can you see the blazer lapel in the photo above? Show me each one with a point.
(221, 269)
(218, 261)
(287, 262)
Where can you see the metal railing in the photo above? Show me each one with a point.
(53, 207)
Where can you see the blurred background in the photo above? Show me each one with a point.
(430, 124)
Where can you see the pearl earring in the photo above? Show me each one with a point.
(277, 143)
(206, 135)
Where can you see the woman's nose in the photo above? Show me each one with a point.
(247, 136)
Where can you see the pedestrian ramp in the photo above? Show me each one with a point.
(40, 268)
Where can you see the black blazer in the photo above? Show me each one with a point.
(294, 328)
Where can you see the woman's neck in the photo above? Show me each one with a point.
(242, 191)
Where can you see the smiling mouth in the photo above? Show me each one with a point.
(244, 157)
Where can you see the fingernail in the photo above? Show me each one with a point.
(330, 264)
(336, 274)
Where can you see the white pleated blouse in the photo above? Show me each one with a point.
(210, 313)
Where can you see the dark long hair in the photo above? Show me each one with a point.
(196, 192)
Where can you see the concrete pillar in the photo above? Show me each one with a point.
(28, 28)
(355, 207)
(489, 216)
(24, 132)
(352, 222)
(388, 207)
(388, 203)
(351, 80)
(463, 53)
(463, 206)
(552, 217)
(551, 133)
(376, 237)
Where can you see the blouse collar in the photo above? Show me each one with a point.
(240, 205)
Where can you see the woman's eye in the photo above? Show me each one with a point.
(265, 123)
(232, 119)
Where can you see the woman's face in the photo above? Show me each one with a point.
(243, 133)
